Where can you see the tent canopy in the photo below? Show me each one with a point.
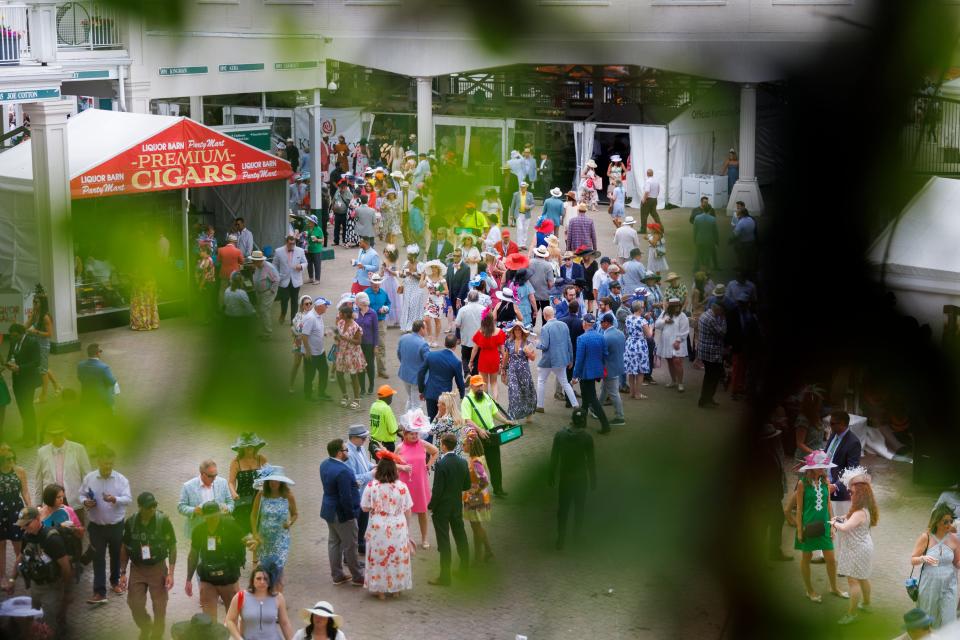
(114, 153)
(925, 244)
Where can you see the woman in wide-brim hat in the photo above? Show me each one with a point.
(812, 517)
(516, 261)
(516, 371)
(274, 513)
(242, 474)
(854, 542)
(433, 282)
(322, 623)
(419, 456)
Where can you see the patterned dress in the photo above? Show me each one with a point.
(416, 480)
(390, 210)
(476, 501)
(144, 313)
(938, 585)
(855, 558)
(433, 305)
(388, 542)
(444, 425)
(636, 355)
(11, 502)
(412, 306)
(349, 355)
(657, 255)
(523, 395)
(274, 539)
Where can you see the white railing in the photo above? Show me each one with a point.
(87, 25)
(14, 33)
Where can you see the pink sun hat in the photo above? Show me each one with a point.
(817, 460)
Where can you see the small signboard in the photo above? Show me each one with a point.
(231, 68)
(255, 135)
(29, 95)
(91, 75)
(286, 66)
(14, 307)
(182, 71)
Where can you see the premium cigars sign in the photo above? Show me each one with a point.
(186, 154)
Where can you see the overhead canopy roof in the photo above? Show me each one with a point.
(114, 153)
(925, 242)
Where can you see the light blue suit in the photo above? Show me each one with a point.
(367, 262)
(557, 356)
(190, 498)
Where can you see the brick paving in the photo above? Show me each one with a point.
(623, 580)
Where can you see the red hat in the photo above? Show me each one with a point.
(516, 261)
(546, 226)
(505, 233)
(384, 453)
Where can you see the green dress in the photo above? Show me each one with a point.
(816, 506)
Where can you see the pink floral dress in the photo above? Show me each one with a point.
(388, 543)
(415, 455)
(349, 356)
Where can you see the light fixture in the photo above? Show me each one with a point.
(332, 86)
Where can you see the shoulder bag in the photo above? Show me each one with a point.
(912, 584)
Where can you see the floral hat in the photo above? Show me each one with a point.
(817, 460)
(855, 475)
(415, 420)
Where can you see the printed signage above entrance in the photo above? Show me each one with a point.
(187, 154)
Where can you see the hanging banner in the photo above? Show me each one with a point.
(330, 122)
(186, 154)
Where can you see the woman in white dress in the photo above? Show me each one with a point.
(588, 185)
(672, 329)
(434, 285)
(388, 501)
(391, 283)
(411, 303)
(854, 543)
(657, 254)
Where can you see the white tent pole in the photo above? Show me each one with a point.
(187, 267)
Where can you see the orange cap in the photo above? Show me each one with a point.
(476, 380)
(385, 391)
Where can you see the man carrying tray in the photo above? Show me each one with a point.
(478, 407)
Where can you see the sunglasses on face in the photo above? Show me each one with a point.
(948, 521)
(210, 475)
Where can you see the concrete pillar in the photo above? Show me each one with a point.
(747, 189)
(196, 108)
(138, 97)
(424, 114)
(51, 196)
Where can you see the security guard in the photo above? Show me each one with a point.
(148, 541)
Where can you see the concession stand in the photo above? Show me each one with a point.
(139, 186)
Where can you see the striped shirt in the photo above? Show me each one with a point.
(581, 232)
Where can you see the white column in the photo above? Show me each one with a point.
(424, 114)
(747, 189)
(138, 97)
(196, 108)
(51, 196)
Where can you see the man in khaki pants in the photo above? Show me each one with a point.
(217, 553)
(148, 541)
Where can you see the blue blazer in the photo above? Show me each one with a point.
(847, 455)
(339, 489)
(569, 275)
(412, 352)
(96, 381)
(616, 345)
(555, 344)
(553, 209)
(591, 354)
(438, 373)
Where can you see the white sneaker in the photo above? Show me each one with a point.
(680, 388)
(669, 385)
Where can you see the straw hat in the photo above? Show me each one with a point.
(506, 295)
(435, 264)
(323, 608)
(582, 206)
(555, 192)
(591, 164)
(541, 252)
(672, 276)
(249, 438)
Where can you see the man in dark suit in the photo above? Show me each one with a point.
(572, 468)
(574, 322)
(439, 248)
(337, 509)
(450, 479)
(458, 281)
(97, 382)
(844, 450)
(439, 373)
(23, 360)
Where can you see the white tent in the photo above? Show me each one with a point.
(701, 136)
(923, 264)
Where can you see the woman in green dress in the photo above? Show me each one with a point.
(813, 509)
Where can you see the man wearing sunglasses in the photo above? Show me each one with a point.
(844, 450)
(206, 487)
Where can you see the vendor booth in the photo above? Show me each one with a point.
(135, 180)
(923, 265)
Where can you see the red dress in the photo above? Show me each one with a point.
(488, 361)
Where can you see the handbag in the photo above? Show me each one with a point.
(332, 354)
(814, 529)
(911, 584)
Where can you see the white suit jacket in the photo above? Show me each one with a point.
(286, 264)
(76, 465)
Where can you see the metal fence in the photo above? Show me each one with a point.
(931, 135)
(14, 33)
(88, 25)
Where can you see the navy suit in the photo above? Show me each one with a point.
(847, 455)
(451, 478)
(26, 353)
(445, 249)
(569, 275)
(340, 497)
(591, 353)
(437, 375)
